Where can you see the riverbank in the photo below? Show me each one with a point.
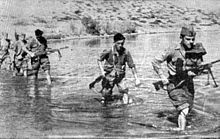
(65, 19)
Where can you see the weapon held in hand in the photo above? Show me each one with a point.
(50, 50)
(54, 50)
(202, 68)
(198, 70)
(159, 85)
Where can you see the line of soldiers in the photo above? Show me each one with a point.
(25, 56)
(180, 59)
(179, 85)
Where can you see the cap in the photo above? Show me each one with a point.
(38, 32)
(197, 49)
(188, 30)
(118, 37)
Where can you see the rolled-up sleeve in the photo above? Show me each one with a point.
(129, 60)
(159, 59)
(104, 55)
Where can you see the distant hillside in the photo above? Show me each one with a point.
(105, 17)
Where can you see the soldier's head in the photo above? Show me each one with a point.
(19, 35)
(187, 35)
(38, 33)
(119, 40)
(23, 36)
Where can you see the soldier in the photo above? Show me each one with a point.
(36, 48)
(4, 51)
(180, 60)
(19, 58)
(114, 69)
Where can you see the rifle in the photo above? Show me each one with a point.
(198, 70)
(98, 79)
(201, 68)
(49, 51)
(159, 84)
(54, 50)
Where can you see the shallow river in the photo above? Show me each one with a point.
(68, 108)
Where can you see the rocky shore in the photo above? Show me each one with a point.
(78, 18)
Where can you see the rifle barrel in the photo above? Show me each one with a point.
(213, 62)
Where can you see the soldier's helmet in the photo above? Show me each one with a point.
(187, 30)
(118, 37)
(198, 49)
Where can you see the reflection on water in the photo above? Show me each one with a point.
(40, 106)
(30, 108)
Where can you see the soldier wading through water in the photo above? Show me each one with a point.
(179, 84)
(113, 72)
(36, 48)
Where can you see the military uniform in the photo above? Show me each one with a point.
(4, 53)
(20, 58)
(181, 87)
(114, 67)
(41, 59)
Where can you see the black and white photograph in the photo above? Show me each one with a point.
(110, 69)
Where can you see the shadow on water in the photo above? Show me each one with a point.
(30, 108)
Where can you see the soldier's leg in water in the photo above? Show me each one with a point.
(25, 73)
(106, 95)
(16, 67)
(45, 63)
(35, 66)
(48, 76)
(107, 86)
(182, 118)
(124, 91)
(7, 62)
(1, 61)
(125, 97)
(25, 68)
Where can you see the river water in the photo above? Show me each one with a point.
(68, 108)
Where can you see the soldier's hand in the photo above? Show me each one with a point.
(137, 82)
(19, 57)
(164, 80)
(165, 87)
(103, 73)
(190, 73)
(209, 65)
(32, 54)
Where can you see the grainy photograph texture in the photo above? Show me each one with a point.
(109, 69)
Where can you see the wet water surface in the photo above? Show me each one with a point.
(68, 108)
